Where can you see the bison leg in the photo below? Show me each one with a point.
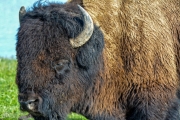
(174, 111)
(154, 107)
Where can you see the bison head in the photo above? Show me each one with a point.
(59, 54)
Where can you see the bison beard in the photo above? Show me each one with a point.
(134, 76)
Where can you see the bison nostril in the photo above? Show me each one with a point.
(29, 105)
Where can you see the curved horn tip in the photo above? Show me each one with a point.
(79, 7)
(87, 32)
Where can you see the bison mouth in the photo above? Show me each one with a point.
(31, 103)
(41, 106)
(34, 109)
(31, 106)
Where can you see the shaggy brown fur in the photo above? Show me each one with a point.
(141, 54)
(137, 77)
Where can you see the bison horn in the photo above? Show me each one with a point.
(22, 12)
(85, 35)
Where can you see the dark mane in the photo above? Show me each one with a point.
(65, 16)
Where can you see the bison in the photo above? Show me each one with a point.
(107, 60)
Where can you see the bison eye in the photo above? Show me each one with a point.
(61, 66)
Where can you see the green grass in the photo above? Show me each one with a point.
(9, 106)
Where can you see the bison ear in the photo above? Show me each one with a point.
(90, 53)
(22, 12)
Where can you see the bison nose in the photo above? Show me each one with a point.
(29, 105)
